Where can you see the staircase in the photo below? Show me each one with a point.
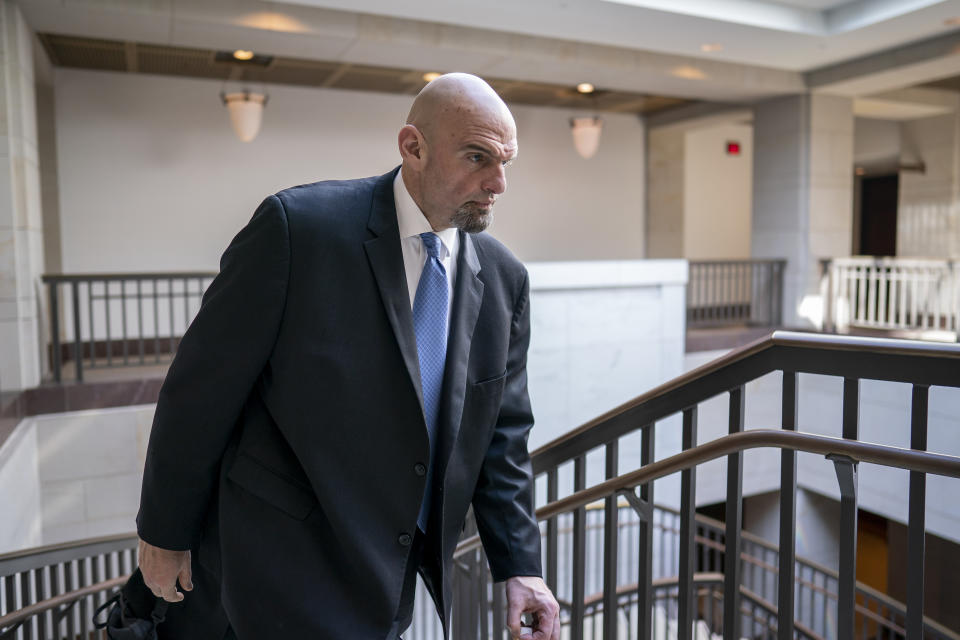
(607, 548)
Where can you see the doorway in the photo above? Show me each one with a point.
(878, 215)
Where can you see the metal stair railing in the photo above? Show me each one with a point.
(854, 359)
(51, 592)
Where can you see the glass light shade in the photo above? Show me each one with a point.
(246, 112)
(586, 134)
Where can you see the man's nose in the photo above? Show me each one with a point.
(496, 182)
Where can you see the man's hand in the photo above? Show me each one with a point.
(162, 568)
(531, 595)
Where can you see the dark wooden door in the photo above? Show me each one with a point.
(878, 215)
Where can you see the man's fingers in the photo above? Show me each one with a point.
(186, 579)
(170, 594)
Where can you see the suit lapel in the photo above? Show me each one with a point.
(386, 261)
(468, 294)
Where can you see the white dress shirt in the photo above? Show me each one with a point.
(412, 223)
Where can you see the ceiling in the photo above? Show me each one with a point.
(115, 55)
(796, 35)
(759, 48)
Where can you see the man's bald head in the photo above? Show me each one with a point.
(453, 97)
(457, 142)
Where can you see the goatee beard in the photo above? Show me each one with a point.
(472, 218)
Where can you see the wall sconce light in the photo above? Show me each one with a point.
(246, 112)
(586, 134)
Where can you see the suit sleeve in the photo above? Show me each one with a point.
(217, 364)
(503, 500)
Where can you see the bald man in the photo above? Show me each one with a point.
(354, 381)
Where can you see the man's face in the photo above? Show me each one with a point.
(465, 169)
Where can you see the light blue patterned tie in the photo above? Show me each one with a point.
(430, 325)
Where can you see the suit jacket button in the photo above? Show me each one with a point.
(420, 469)
(405, 539)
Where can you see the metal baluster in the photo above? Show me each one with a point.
(579, 551)
(77, 342)
(156, 320)
(846, 469)
(734, 518)
(53, 289)
(40, 592)
(645, 543)
(93, 343)
(71, 583)
(106, 313)
(140, 319)
(688, 486)
(186, 305)
(123, 317)
(482, 603)
(170, 303)
(610, 530)
(552, 530)
(788, 512)
(916, 520)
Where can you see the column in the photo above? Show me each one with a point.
(21, 226)
(803, 192)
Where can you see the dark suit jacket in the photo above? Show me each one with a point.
(288, 432)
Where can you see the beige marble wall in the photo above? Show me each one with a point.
(928, 216)
(21, 224)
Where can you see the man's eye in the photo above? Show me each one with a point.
(475, 157)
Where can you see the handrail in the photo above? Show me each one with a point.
(12, 620)
(29, 559)
(745, 364)
(885, 455)
(100, 277)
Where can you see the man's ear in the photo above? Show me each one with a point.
(411, 144)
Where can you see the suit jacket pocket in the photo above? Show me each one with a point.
(490, 379)
(271, 487)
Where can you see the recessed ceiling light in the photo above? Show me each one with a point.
(711, 47)
(688, 73)
(243, 54)
(431, 76)
(952, 22)
(585, 87)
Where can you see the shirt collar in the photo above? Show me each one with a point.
(411, 220)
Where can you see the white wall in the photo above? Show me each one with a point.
(718, 193)
(72, 475)
(20, 522)
(152, 177)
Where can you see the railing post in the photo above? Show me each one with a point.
(552, 531)
(53, 288)
(579, 552)
(847, 478)
(916, 519)
(688, 548)
(734, 518)
(846, 470)
(77, 342)
(643, 505)
(788, 513)
(610, 531)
